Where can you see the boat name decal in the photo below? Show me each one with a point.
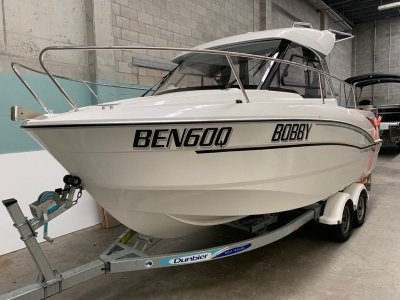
(188, 138)
(291, 132)
(190, 258)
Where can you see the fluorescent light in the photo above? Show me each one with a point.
(389, 5)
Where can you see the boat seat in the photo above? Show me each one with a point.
(366, 104)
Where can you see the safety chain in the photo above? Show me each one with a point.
(78, 196)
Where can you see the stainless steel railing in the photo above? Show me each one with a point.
(85, 83)
(228, 54)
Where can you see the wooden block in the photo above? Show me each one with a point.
(107, 220)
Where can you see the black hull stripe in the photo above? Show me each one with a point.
(256, 148)
(185, 123)
(356, 129)
(317, 121)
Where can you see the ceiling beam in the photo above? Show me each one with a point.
(375, 13)
(355, 4)
(356, 8)
(365, 20)
(339, 18)
(361, 11)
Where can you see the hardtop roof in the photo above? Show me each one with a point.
(372, 78)
(322, 41)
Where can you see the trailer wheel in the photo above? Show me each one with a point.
(360, 212)
(342, 232)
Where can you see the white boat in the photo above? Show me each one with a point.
(208, 149)
(388, 110)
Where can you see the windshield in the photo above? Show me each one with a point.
(210, 71)
(378, 94)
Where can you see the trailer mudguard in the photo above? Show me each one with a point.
(355, 190)
(333, 210)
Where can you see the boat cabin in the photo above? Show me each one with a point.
(296, 46)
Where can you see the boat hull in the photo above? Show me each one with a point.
(166, 189)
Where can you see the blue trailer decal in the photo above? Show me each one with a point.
(232, 251)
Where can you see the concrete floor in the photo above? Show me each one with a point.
(305, 265)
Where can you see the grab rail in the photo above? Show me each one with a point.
(14, 68)
(227, 54)
(86, 83)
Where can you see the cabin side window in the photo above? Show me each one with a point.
(296, 79)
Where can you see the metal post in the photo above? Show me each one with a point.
(57, 84)
(355, 54)
(28, 236)
(38, 100)
(390, 46)
(353, 90)
(92, 92)
(237, 77)
(322, 89)
(373, 59)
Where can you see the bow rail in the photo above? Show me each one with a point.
(228, 54)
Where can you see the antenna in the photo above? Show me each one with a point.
(341, 36)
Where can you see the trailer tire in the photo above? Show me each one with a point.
(342, 232)
(360, 212)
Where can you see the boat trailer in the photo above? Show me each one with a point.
(120, 257)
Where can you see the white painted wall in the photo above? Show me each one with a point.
(24, 176)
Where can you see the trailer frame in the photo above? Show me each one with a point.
(119, 256)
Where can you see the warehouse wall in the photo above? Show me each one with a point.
(28, 26)
(174, 23)
(26, 170)
(340, 61)
(377, 47)
(285, 12)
